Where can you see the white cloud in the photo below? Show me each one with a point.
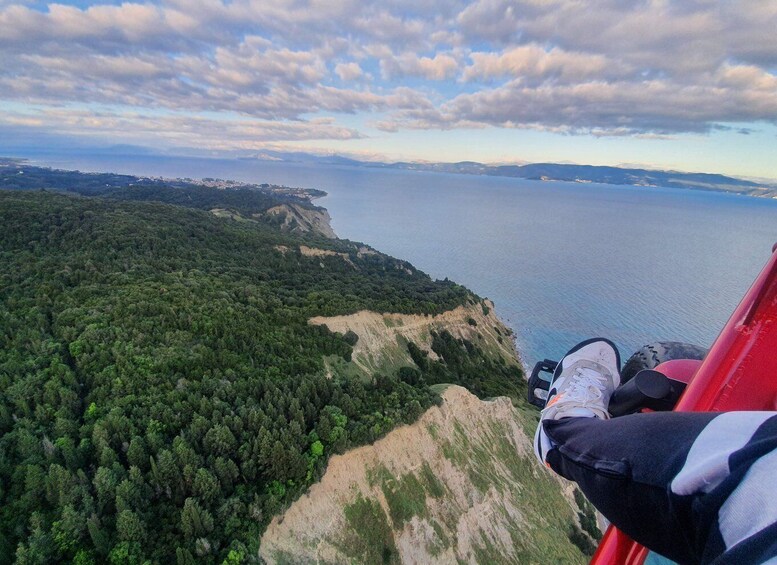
(176, 129)
(440, 67)
(529, 61)
(349, 71)
(649, 68)
(601, 108)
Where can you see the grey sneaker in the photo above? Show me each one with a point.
(582, 385)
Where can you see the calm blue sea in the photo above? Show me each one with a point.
(562, 261)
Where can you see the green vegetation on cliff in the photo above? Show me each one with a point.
(465, 363)
(162, 392)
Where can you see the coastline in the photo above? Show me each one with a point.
(512, 334)
(756, 188)
(318, 221)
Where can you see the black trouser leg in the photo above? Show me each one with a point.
(625, 467)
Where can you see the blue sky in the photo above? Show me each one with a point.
(688, 85)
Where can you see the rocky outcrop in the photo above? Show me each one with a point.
(459, 485)
(300, 219)
(316, 252)
(289, 217)
(383, 337)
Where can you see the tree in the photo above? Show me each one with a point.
(233, 558)
(59, 485)
(206, 486)
(40, 547)
(83, 557)
(126, 553)
(195, 521)
(68, 531)
(104, 483)
(98, 536)
(227, 473)
(317, 448)
(129, 527)
(136, 453)
(219, 440)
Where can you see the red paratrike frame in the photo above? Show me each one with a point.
(738, 373)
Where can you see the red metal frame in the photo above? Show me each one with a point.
(739, 373)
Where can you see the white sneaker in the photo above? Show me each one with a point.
(582, 385)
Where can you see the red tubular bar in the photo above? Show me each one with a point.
(739, 373)
(740, 370)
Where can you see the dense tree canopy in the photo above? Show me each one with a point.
(162, 393)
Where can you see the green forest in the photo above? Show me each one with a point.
(163, 395)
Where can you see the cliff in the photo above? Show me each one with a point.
(459, 485)
(383, 337)
(301, 219)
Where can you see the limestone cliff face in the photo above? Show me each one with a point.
(383, 338)
(291, 217)
(299, 219)
(459, 485)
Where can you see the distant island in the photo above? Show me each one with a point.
(554, 172)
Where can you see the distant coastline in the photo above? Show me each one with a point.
(558, 172)
(555, 172)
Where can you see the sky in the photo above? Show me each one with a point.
(686, 84)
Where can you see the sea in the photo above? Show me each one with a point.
(561, 261)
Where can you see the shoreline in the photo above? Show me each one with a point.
(513, 335)
(759, 189)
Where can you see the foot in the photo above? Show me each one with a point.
(582, 385)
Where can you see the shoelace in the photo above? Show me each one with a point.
(586, 385)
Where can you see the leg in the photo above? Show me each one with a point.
(623, 466)
(692, 486)
(671, 480)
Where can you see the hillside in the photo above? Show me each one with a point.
(176, 371)
(163, 393)
(460, 485)
(290, 209)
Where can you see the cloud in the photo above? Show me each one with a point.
(127, 22)
(495, 21)
(648, 68)
(600, 108)
(689, 35)
(349, 71)
(608, 67)
(440, 67)
(253, 77)
(173, 129)
(532, 61)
